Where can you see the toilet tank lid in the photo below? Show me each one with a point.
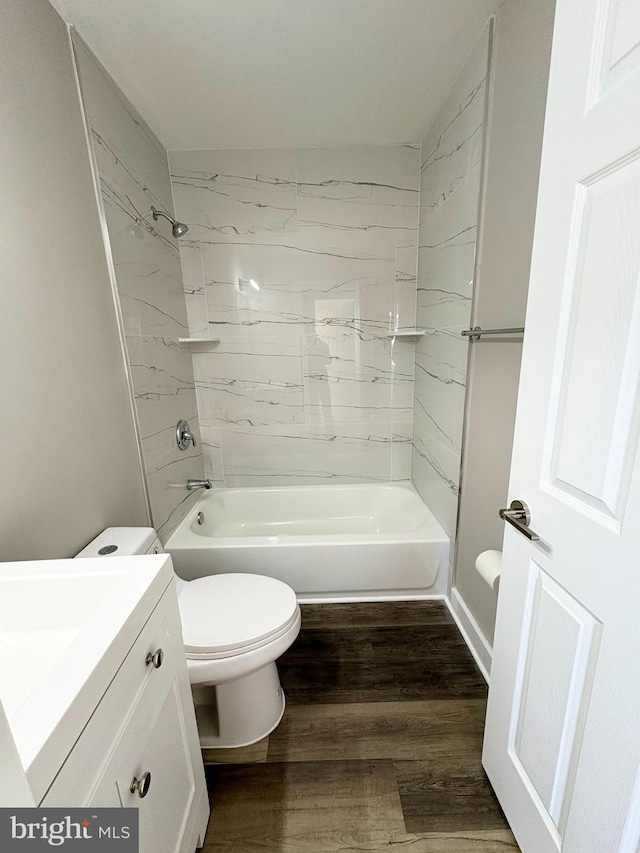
(128, 541)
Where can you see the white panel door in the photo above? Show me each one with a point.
(562, 741)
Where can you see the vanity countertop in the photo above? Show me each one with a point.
(65, 628)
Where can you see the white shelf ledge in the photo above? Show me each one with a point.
(198, 340)
(407, 333)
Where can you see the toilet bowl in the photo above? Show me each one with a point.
(235, 627)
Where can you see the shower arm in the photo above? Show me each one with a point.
(179, 229)
(157, 213)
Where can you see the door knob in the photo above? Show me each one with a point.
(141, 785)
(519, 516)
(154, 658)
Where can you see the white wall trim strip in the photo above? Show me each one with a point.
(368, 598)
(472, 635)
(95, 177)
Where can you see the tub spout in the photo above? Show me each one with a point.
(192, 485)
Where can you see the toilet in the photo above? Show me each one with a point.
(235, 627)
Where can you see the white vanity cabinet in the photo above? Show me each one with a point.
(140, 746)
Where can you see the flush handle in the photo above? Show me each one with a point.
(519, 516)
(141, 785)
(156, 658)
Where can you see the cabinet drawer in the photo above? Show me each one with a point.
(81, 774)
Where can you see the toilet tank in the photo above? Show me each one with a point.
(123, 542)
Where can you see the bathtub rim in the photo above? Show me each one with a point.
(183, 537)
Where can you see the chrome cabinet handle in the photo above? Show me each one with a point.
(519, 516)
(154, 658)
(141, 785)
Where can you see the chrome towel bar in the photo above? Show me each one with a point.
(476, 333)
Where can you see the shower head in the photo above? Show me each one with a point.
(179, 229)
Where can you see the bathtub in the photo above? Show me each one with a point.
(329, 543)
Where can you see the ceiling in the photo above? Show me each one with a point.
(282, 73)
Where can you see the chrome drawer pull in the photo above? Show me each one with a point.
(518, 516)
(154, 658)
(141, 785)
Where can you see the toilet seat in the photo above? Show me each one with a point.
(230, 614)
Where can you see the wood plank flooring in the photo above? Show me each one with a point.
(379, 748)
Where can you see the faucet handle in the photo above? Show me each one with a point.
(184, 436)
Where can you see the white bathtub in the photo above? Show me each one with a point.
(327, 542)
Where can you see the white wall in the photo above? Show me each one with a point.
(134, 175)
(68, 451)
(519, 74)
(305, 385)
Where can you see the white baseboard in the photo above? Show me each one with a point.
(366, 597)
(471, 633)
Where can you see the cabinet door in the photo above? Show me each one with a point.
(81, 778)
(144, 726)
(106, 795)
(163, 752)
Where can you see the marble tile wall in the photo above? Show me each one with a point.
(449, 198)
(304, 385)
(134, 175)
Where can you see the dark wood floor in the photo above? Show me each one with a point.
(379, 748)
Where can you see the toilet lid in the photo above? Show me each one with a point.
(225, 612)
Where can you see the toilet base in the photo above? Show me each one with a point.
(241, 712)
